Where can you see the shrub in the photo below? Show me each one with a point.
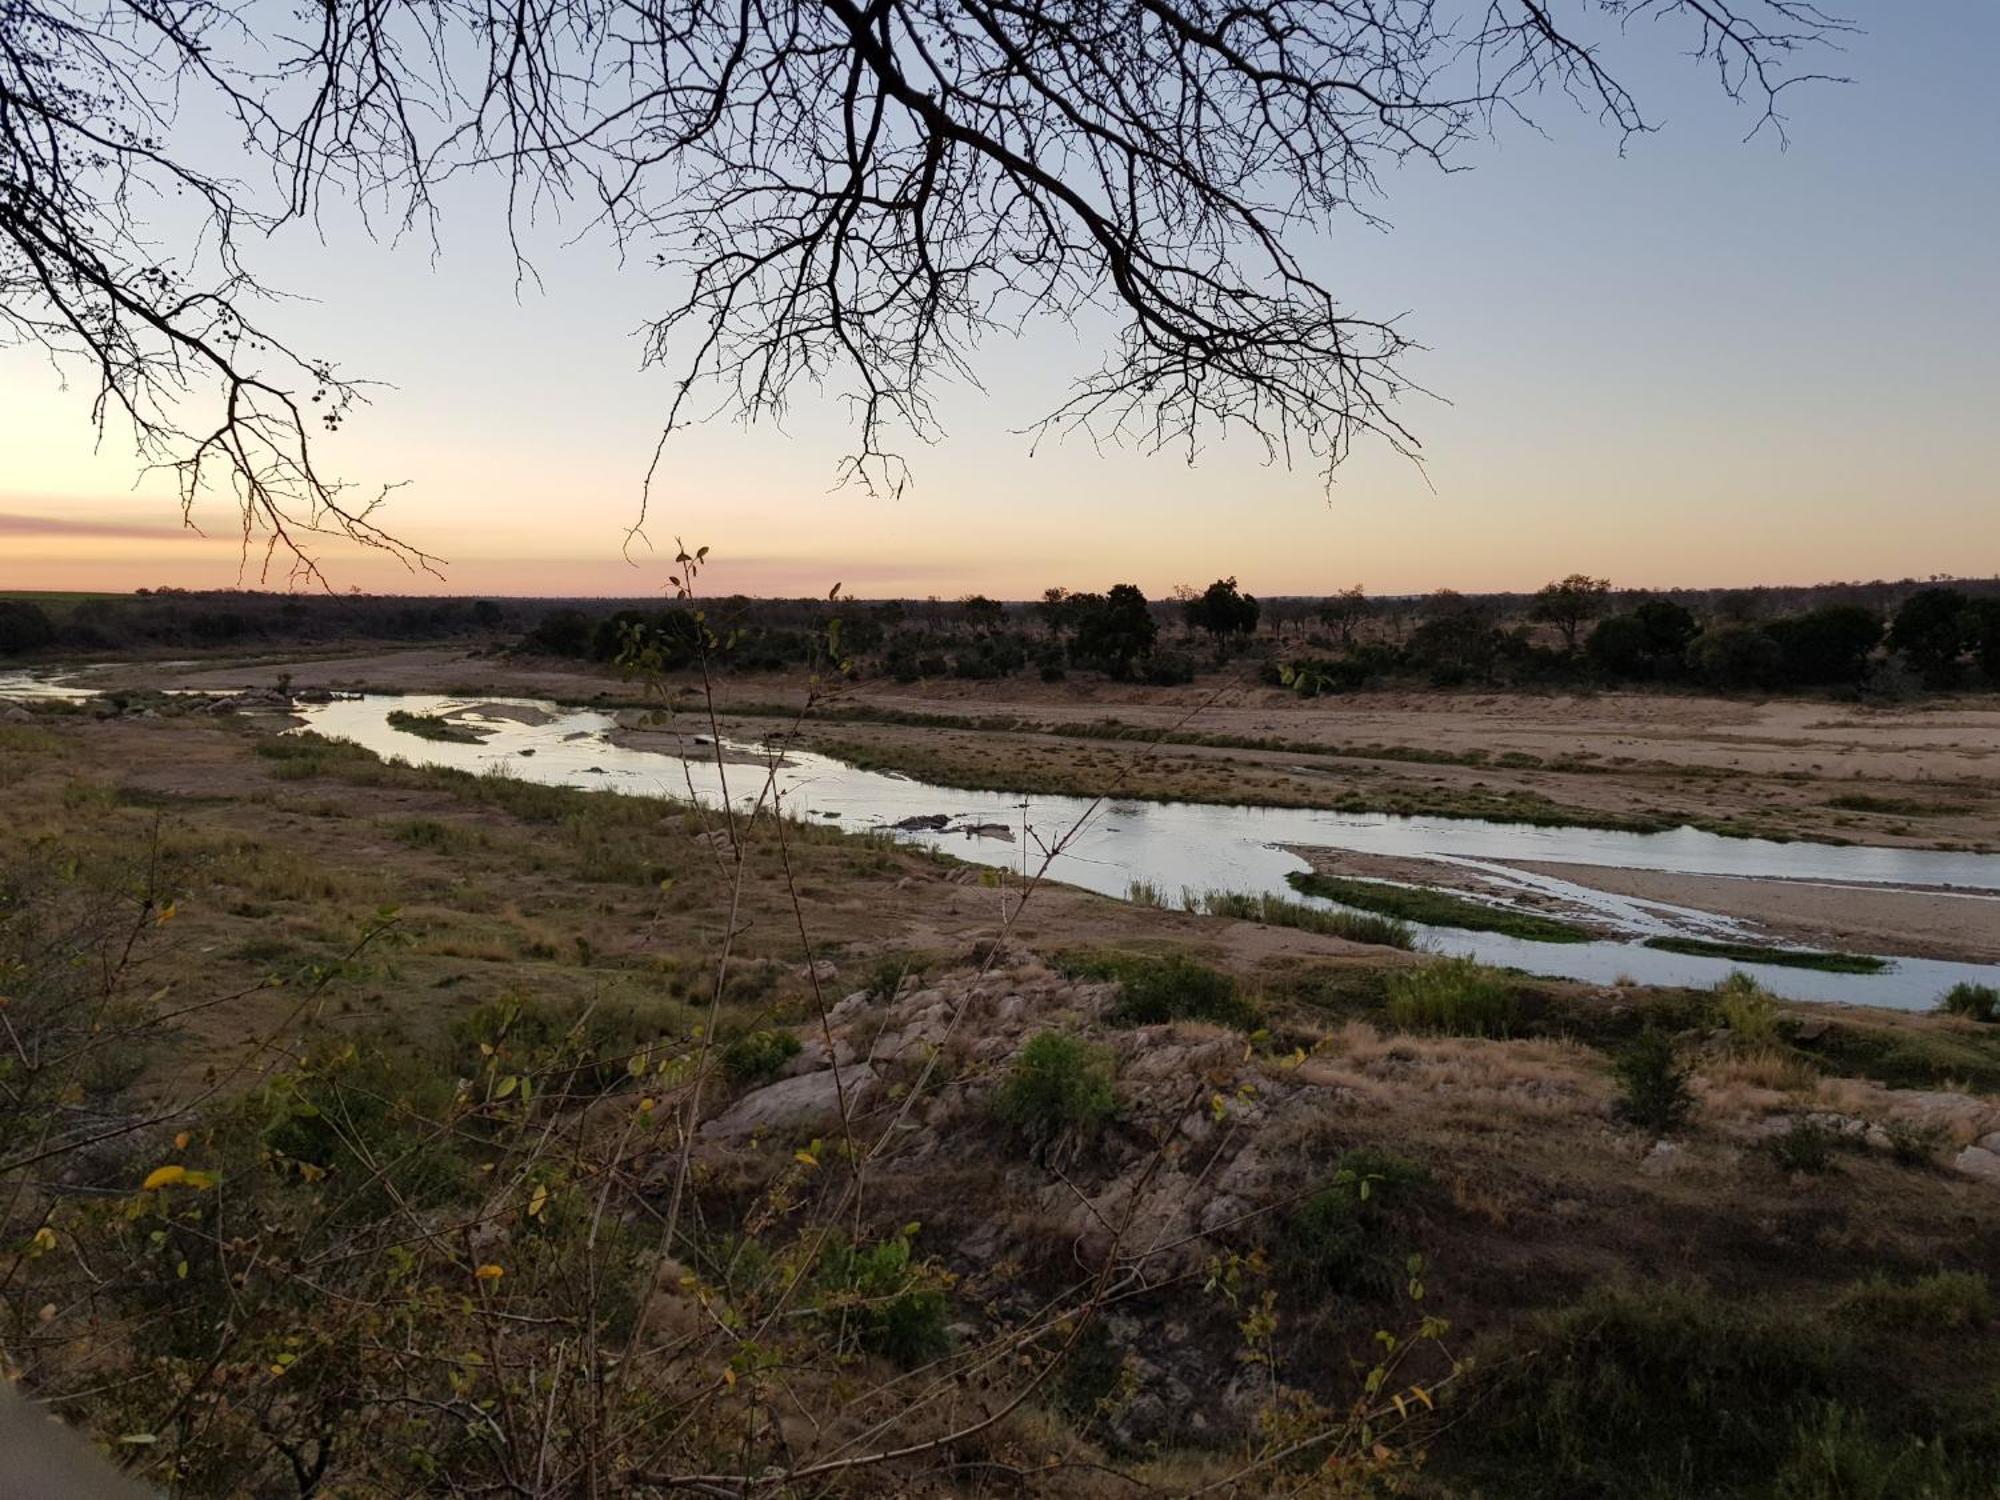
(1179, 989)
(23, 627)
(1452, 995)
(1806, 1147)
(1653, 1084)
(1058, 1097)
(883, 1302)
(1735, 656)
(890, 970)
(1975, 1002)
(1914, 1145)
(1944, 1299)
(758, 1054)
(1748, 1010)
(368, 1118)
(1340, 1239)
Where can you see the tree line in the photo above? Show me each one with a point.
(1884, 639)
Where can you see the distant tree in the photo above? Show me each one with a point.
(1735, 654)
(487, 615)
(562, 632)
(1343, 612)
(1826, 647)
(1456, 642)
(1116, 629)
(981, 612)
(1570, 604)
(1933, 628)
(23, 627)
(1055, 609)
(1647, 642)
(1986, 637)
(1223, 610)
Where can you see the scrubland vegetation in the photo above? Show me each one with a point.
(367, 1129)
(1882, 640)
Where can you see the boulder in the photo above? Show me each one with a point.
(811, 1101)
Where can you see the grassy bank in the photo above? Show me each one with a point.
(1764, 953)
(1433, 908)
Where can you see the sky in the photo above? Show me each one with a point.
(1696, 360)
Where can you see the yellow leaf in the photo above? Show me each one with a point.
(166, 913)
(180, 1141)
(647, 1105)
(490, 1272)
(181, 1271)
(729, 1377)
(507, 1086)
(805, 1158)
(45, 1238)
(202, 1180)
(161, 1177)
(538, 1202)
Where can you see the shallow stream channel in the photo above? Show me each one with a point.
(1111, 845)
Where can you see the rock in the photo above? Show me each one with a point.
(15, 714)
(1990, 1142)
(1663, 1159)
(923, 822)
(1977, 1161)
(851, 1006)
(810, 1101)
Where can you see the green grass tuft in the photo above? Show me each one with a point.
(1455, 996)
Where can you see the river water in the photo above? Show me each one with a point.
(1105, 845)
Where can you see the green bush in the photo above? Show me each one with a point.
(1341, 1238)
(1748, 1009)
(1975, 1002)
(1653, 1092)
(883, 1301)
(1178, 989)
(1453, 995)
(758, 1054)
(1058, 1097)
(374, 1119)
(1806, 1147)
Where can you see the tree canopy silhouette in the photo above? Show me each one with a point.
(849, 193)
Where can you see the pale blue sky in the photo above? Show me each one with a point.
(1703, 361)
